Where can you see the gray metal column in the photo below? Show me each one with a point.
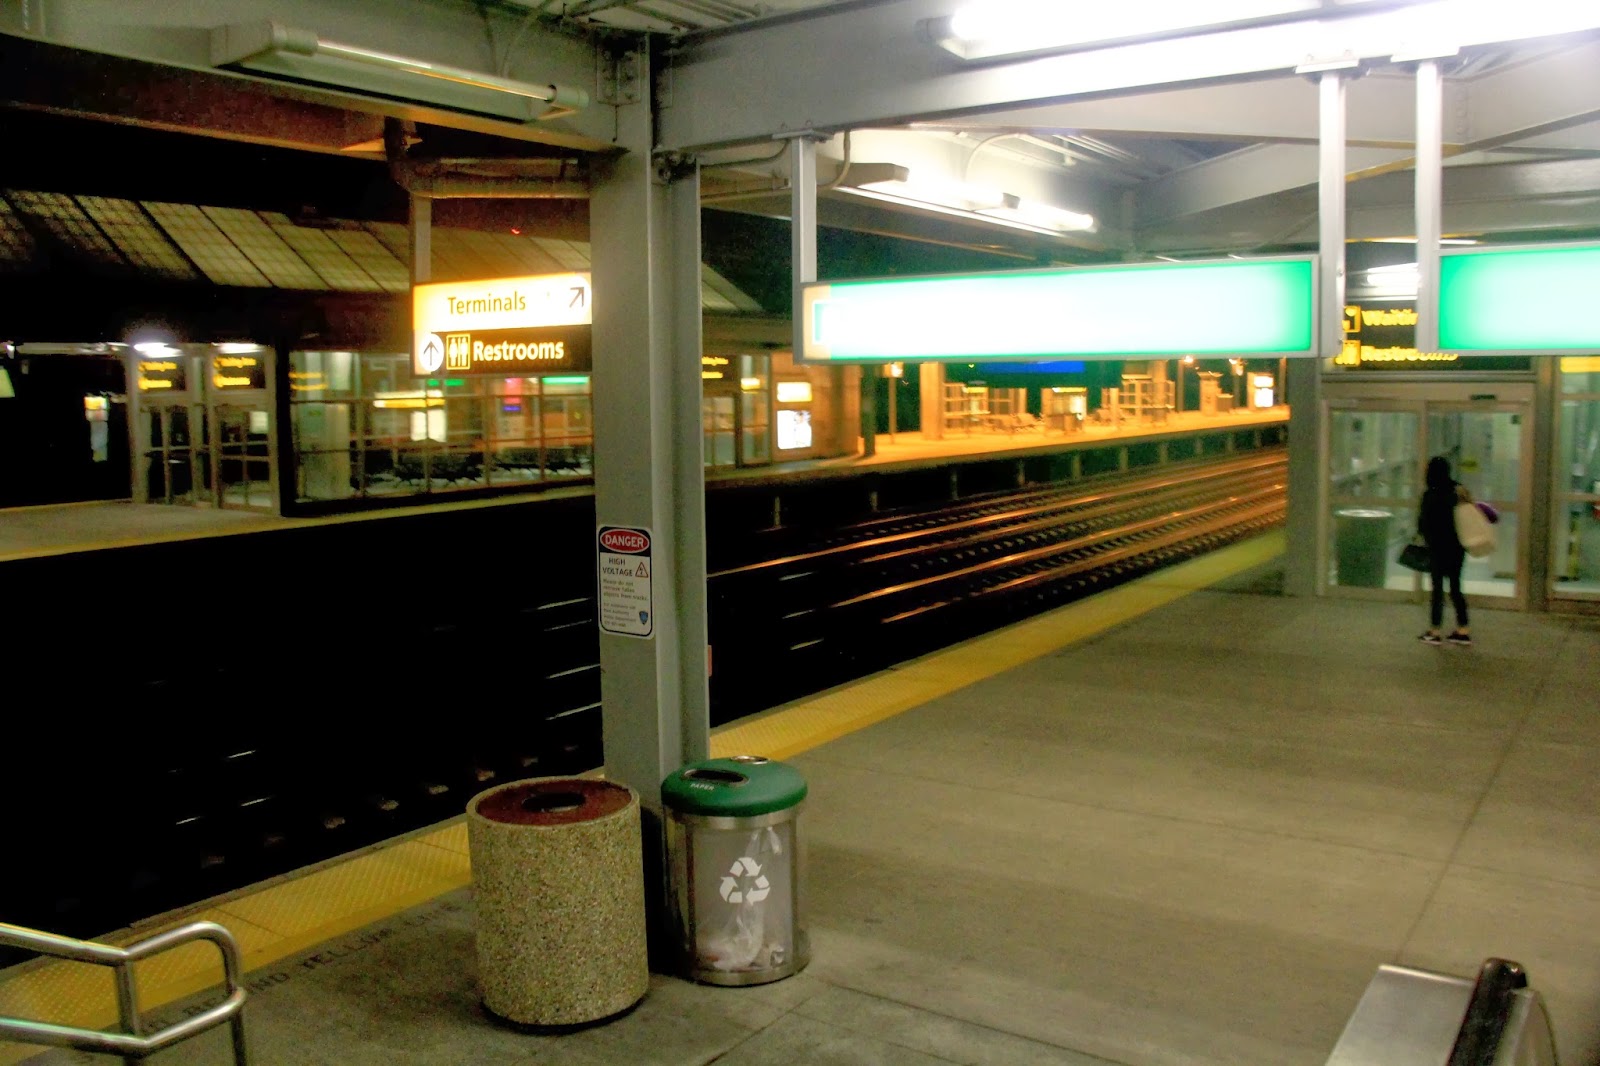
(802, 226)
(649, 471)
(1304, 387)
(1429, 197)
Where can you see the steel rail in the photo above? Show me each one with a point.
(1274, 491)
(1067, 496)
(132, 1045)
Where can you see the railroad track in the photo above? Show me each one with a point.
(901, 586)
(208, 814)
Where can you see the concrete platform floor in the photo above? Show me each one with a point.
(1190, 840)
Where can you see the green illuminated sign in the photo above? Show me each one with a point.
(1222, 307)
(1510, 300)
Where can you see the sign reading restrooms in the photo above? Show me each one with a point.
(510, 327)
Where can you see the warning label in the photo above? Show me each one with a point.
(624, 573)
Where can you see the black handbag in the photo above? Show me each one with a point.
(1414, 556)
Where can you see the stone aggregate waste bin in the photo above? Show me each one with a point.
(736, 868)
(556, 863)
(1361, 546)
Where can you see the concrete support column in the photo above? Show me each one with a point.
(930, 395)
(645, 236)
(869, 411)
(1304, 387)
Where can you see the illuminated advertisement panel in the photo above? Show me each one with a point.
(1523, 300)
(1259, 307)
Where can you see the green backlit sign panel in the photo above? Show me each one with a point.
(1223, 307)
(1529, 300)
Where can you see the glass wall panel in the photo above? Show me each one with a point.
(1484, 449)
(1575, 529)
(363, 426)
(1373, 455)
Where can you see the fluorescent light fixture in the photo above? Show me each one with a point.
(155, 349)
(1017, 27)
(1413, 240)
(981, 201)
(959, 195)
(237, 348)
(272, 48)
(1044, 216)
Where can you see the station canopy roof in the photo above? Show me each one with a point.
(243, 248)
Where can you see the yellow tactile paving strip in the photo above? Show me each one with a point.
(289, 916)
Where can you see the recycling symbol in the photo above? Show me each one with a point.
(744, 882)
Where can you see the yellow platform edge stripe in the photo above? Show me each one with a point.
(290, 915)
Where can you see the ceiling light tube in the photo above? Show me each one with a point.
(1045, 216)
(256, 45)
(1019, 27)
(941, 193)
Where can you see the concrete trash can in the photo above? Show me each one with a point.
(733, 852)
(557, 868)
(1361, 546)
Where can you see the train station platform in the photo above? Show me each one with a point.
(64, 529)
(1180, 822)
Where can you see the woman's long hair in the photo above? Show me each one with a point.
(1439, 473)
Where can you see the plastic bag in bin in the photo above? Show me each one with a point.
(740, 938)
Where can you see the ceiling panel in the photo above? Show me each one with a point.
(60, 215)
(319, 250)
(127, 226)
(206, 246)
(265, 249)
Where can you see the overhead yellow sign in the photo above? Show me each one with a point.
(504, 326)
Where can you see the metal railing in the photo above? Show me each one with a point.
(132, 1044)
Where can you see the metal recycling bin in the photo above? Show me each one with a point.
(736, 868)
(1361, 546)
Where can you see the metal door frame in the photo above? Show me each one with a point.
(1422, 398)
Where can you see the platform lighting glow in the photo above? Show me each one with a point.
(961, 195)
(981, 30)
(1417, 29)
(236, 348)
(1520, 299)
(155, 349)
(966, 199)
(1214, 307)
(1044, 216)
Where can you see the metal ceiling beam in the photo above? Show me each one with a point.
(1261, 170)
(1280, 109)
(1507, 197)
(881, 69)
(173, 40)
(1538, 97)
(66, 81)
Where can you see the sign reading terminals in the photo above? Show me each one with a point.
(626, 604)
(510, 327)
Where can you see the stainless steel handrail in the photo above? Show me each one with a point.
(132, 1044)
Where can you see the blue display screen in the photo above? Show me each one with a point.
(1043, 366)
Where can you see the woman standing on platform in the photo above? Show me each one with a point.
(1436, 522)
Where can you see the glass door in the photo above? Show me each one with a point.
(716, 424)
(1377, 449)
(174, 456)
(243, 457)
(1487, 446)
(1374, 479)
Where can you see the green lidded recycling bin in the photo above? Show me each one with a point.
(733, 852)
(1361, 546)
